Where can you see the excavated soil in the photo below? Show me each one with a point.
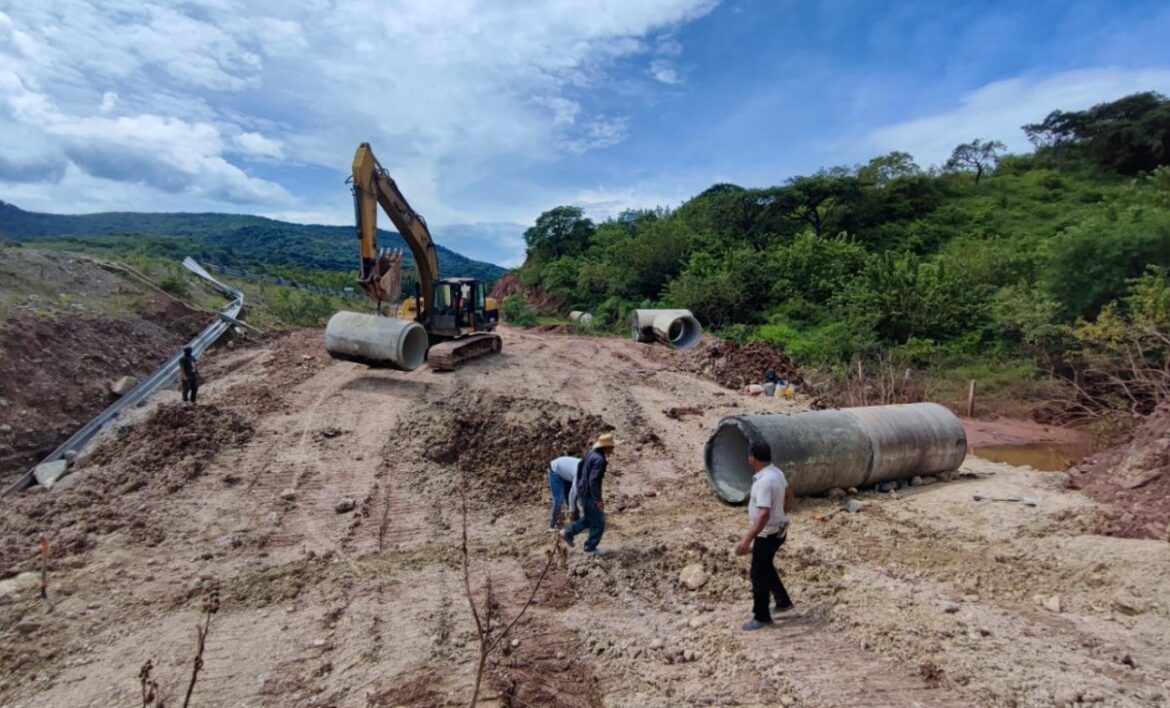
(334, 533)
(1132, 480)
(734, 366)
(501, 442)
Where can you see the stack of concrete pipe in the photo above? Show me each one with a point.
(850, 447)
(376, 341)
(677, 329)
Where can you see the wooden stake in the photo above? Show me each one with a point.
(971, 399)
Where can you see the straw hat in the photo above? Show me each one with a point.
(605, 440)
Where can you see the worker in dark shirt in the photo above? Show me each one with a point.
(589, 481)
(189, 374)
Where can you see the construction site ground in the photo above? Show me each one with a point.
(322, 499)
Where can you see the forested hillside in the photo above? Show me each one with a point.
(1056, 258)
(239, 240)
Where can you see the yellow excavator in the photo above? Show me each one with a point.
(447, 320)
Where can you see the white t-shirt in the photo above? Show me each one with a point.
(768, 487)
(566, 469)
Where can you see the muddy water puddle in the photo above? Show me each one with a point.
(1049, 457)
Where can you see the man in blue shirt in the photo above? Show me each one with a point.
(589, 482)
(562, 482)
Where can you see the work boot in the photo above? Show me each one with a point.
(779, 609)
(568, 539)
(598, 552)
(754, 624)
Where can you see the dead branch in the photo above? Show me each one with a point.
(489, 640)
(210, 607)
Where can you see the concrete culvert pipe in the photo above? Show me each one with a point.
(676, 328)
(376, 341)
(851, 447)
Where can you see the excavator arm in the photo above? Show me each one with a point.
(380, 274)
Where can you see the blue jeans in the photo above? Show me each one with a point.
(560, 494)
(593, 519)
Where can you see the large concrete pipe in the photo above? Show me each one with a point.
(851, 447)
(376, 341)
(676, 328)
(582, 318)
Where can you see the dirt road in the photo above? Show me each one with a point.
(332, 533)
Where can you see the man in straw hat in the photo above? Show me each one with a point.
(589, 481)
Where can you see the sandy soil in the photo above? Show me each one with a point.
(924, 598)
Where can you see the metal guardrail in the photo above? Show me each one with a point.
(275, 280)
(161, 376)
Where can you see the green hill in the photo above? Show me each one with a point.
(231, 239)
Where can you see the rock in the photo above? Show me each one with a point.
(345, 505)
(915, 481)
(693, 576)
(689, 655)
(515, 643)
(288, 494)
(787, 700)
(656, 644)
(1127, 604)
(696, 622)
(70, 456)
(318, 643)
(123, 385)
(886, 486)
(754, 390)
(927, 481)
(950, 607)
(852, 506)
(1066, 696)
(5, 428)
(836, 493)
(49, 472)
(13, 589)
(83, 458)
(944, 476)
(851, 490)
(1053, 604)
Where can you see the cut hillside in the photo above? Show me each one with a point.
(69, 328)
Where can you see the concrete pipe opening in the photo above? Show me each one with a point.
(676, 328)
(376, 341)
(726, 457)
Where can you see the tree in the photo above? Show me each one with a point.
(976, 155)
(559, 232)
(884, 169)
(1129, 135)
(814, 199)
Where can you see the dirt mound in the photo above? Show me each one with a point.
(535, 297)
(294, 358)
(734, 366)
(1133, 479)
(148, 460)
(176, 443)
(503, 442)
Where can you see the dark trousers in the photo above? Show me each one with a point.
(190, 387)
(592, 519)
(765, 580)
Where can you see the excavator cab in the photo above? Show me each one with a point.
(461, 307)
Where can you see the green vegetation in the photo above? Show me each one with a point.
(1007, 268)
(515, 310)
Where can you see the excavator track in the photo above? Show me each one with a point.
(449, 355)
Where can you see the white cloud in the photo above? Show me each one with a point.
(998, 110)
(664, 71)
(109, 102)
(257, 146)
(162, 96)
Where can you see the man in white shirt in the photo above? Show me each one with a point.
(768, 506)
(562, 482)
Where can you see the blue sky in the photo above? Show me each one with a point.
(490, 111)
